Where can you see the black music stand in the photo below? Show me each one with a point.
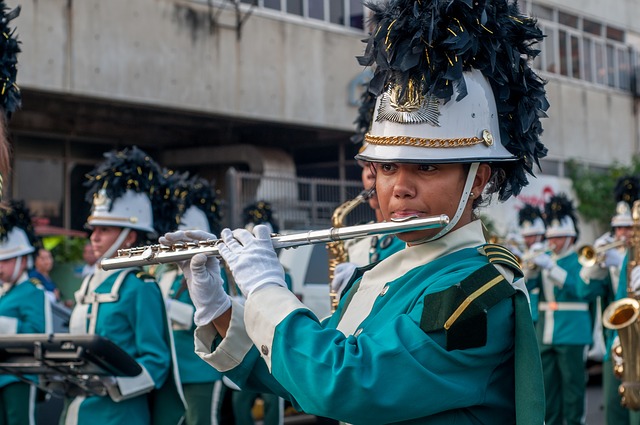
(65, 364)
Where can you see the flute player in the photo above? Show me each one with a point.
(441, 331)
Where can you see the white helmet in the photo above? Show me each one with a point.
(627, 191)
(450, 87)
(426, 129)
(560, 217)
(17, 235)
(194, 219)
(530, 220)
(561, 227)
(16, 245)
(131, 210)
(623, 216)
(533, 228)
(121, 189)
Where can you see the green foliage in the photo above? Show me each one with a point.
(594, 188)
(68, 250)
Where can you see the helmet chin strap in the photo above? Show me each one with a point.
(119, 240)
(16, 271)
(567, 243)
(466, 193)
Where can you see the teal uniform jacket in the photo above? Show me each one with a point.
(600, 281)
(192, 369)
(621, 292)
(137, 323)
(393, 366)
(564, 317)
(26, 303)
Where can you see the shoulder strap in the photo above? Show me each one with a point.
(498, 254)
(461, 310)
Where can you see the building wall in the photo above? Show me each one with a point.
(166, 53)
(590, 124)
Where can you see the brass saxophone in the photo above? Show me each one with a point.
(337, 251)
(623, 316)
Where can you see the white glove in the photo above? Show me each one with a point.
(613, 258)
(203, 278)
(341, 276)
(515, 251)
(635, 279)
(605, 239)
(251, 258)
(544, 261)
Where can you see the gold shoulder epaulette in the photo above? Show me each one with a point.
(35, 281)
(498, 254)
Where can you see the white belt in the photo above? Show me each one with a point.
(562, 306)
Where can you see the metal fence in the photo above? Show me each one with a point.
(297, 203)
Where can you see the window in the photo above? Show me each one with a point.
(336, 11)
(272, 4)
(294, 7)
(565, 51)
(611, 60)
(592, 27)
(615, 34)
(587, 53)
(356, 11)
(575, 57)
(624, 69)
(542, 12)
(601, 69)
(346, 13)
(568, 20)
(583, 49)
(43, 196)
(316, 10)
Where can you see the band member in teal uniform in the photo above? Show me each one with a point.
(564, 324)
(532, 230)
(24, 307)
(194, 205)
(126, 306)
(440, 332)
(603, 272)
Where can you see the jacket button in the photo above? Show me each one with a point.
(265, 350)
(358, 332)
(384, 290)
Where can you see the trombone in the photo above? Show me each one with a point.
(589, 255)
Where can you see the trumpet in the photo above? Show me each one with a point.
(526, 261)
(162, 254)
(588, 255)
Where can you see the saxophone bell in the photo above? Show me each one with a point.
(622, 315)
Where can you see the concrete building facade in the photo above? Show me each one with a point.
(268, 86)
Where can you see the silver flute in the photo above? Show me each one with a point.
(161, 254)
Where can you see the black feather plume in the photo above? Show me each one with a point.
(559, 207)
(128, 169)
(259, 213)
(627, 190)
(201, 194)
(529, 213)
(434, 41)
(167, 199)
(16, 214)
(10, 98)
